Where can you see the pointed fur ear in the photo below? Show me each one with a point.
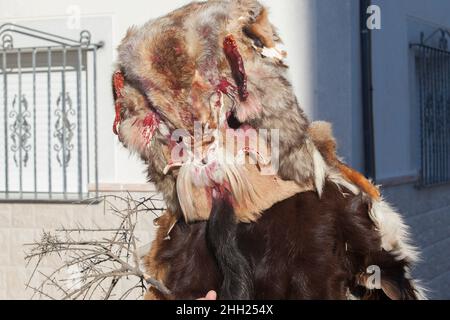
(254, 18)
(261, 30)
(255, 24)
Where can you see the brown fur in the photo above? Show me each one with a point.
(302, 248)
(359, 180)
(153, 265)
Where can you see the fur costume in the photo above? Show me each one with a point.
(316, 224)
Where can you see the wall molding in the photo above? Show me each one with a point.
(123, 187)
(399, 180)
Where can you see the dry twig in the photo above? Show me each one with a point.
(94, 260)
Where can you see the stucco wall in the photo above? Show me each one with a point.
(397, 137)
(396, 131)
(24, 223)
(427, 212)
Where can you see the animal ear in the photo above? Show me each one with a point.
(259, 29)
(254, 20)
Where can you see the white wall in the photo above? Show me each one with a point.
(337, 74)
(22, 224)
(397, 134)
(396, 130)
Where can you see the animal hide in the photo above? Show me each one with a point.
(311, 227)
(304, 247)
(202, 52)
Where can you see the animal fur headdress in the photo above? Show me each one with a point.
(216, 67)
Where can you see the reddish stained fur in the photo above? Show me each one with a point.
(118, 85)
(237, 65)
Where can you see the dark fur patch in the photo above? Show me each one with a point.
(170, 59)
(237, 281)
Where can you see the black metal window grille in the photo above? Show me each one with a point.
(48, 123)
(432, 59)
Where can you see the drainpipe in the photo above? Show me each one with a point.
(367, 92)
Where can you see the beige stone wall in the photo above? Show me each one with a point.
(24, 223)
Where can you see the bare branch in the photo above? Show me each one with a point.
(94, 260)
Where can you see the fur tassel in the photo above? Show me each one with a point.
(237, 283)
(185, 191)
(320, 170)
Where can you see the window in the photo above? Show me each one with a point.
(48, 119)
(432, 59)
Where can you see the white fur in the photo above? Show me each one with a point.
(132, 136)
(421, 292)
(394, 232)
(185, 191)
(338, 179)
(395, 236)
(276, 53)
(218, 170)
(350, 296)
(320, 170)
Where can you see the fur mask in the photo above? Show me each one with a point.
(213, 67)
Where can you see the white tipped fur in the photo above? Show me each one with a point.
(337, 178)
(194, 176)
(132, 136)
(273, 53)
(185, 191)
(421, 292)
(395, 235)
(320, 170)
(394, 232)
